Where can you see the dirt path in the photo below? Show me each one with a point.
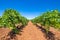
(4, 32)
(31, 32)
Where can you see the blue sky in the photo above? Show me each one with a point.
(29, 8)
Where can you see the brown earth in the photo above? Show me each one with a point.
(56, 33)
(31, 32)
(3, 33)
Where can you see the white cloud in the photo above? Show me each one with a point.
(30, 15)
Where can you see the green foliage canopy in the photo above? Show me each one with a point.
(48, 19)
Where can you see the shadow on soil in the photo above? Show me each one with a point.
(49, 36)
(12, 35)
